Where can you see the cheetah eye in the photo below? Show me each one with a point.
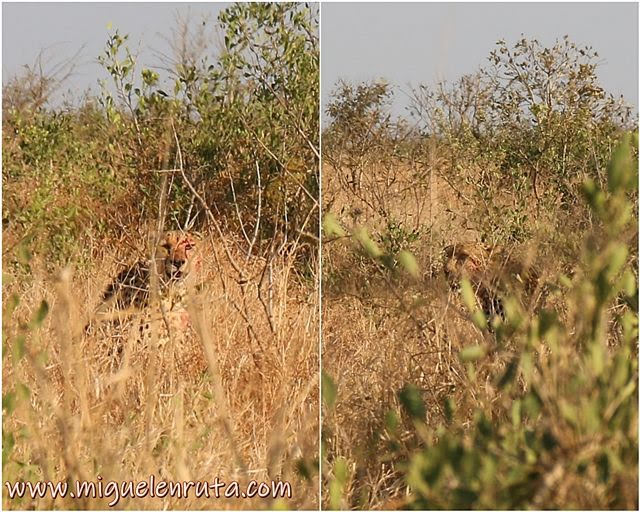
(189, 246)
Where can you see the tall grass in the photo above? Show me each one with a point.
(432, 404)
(76, 408)
(228, 149)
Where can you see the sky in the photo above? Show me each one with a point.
(411, 43)
(405, 43)
(62, 29)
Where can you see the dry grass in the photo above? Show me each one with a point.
(238, 402)
(371, 345)
(372, 348)
(384, 330)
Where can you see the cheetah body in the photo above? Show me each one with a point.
(142, 300)
(492, 271)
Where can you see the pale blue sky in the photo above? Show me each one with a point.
(423, 42)
(63, 28)
(402, 42)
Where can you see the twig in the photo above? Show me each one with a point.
(216, 224)
(257, 227)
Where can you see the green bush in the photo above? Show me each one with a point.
(243, 129)
(536, 120)
(562, 432)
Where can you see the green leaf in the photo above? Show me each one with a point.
(479, 319)
(329, 390)
(8, 442)
(449, 409)
(12, 304)
(369, 246)
(549, 441)
(597, 358)
(628, 282)
(341, 470)
(280, 504)
(532, 403)
(472, 353)
(592, 414)
(513, 312)
(391, 421)
(594, 196)
(468, 296)
(603, 467)
(620, 169)
(409, 263)
(331, 226)
(303, 468)
(9, 401)
(516, 413)
(338, 483)
(509, 374)
(621, 370)
(40, 315)
(19, 348)
(526, 365)
(22, 391)
(617, 257)
(411, 400)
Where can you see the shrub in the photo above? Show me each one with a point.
(434, 405)
(536, 120)
(241, 131)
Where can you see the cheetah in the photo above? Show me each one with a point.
(178, 260)
(139, 298)
(493, 272)
(143, 322)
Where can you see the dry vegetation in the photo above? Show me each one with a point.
(236, 143)
(239, 402)
(428, 402)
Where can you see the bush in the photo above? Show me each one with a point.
(536, 120)
(242, 132)
(434, 405)
(562, 432)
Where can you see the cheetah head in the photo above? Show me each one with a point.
(463, 260)
(178, 255)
